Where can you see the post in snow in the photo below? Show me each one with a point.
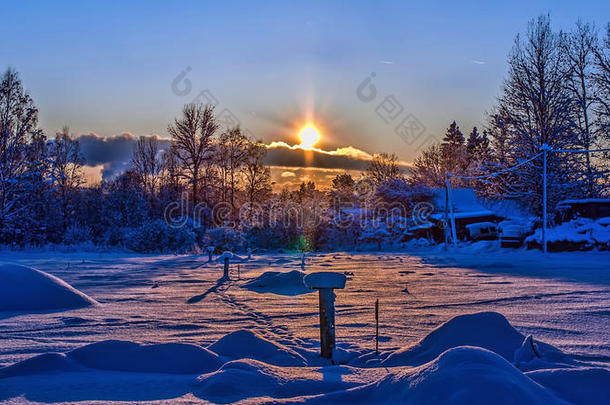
(449, 201)
(225, 256)
(377, 327)
(325, 282)
(210, 253)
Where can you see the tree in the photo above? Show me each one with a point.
(257, 177)
(453, 136)
(233, 155)
(601, 77)
(193, 134)
(18, 127)
(66, 172)
(383, 167)
(579, 52)
(342, 191)
(477, 148)
(536, 109)
(147, 164)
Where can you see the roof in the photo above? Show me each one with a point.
(465, 204)
(586, 201)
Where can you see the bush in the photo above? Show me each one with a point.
(77, 234)
(158, 237)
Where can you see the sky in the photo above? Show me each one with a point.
(377, 76)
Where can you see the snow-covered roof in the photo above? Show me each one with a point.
(462, 215)
(585, 201)
(464, 200)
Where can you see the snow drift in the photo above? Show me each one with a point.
(257, 379)
(172, 358)
(462, 375)
(246, 344)
(289, 283)
(488, 330)
(586, 386)
(117, 355)
(27, 289)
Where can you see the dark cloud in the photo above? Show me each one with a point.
(288, 157)
(113, 152)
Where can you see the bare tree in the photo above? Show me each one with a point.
(18, 125)
(536, 109)
(233, 154)
(193, 134)
(383, 167)
(601, 76)
(147, 164)
(66, 170)
(256, 175)
(579, 51)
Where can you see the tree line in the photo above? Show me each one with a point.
(213, 182)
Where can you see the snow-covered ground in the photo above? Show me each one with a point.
(562, 299)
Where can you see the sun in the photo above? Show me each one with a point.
(309, 136)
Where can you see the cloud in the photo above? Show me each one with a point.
(347, 158)
(108, 157)
(112, 153)
(386, 62)
(478, 62)
(322, 177)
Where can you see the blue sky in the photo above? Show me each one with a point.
(108, 67)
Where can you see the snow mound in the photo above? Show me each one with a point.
(586, 386)
(489, 330)
(290, 283)
(243, 379)
(44, 363)
(27, 289)
(246, 344)
(534, 355)
(462, 375)
(171, 358)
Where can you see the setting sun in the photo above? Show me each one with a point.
(309, 136)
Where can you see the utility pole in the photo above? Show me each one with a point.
(544, 148)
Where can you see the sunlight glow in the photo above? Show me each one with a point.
(309, 136)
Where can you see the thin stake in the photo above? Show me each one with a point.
(238, 272)
(544, 148)
(377, 327)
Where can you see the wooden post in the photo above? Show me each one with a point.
(377, 327)
(210, 253)
(238, 271)
(327, 322)
(325, 282)
(226, 269)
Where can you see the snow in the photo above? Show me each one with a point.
(288, 283)
(27, 289)
(470, 325)
(580, 230)
(489, 330)
(257, 379)
(325, 279)
(171, 358)
(462, 375)
(247, 344)
(584, 385)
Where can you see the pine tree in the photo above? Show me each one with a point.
(453, 136)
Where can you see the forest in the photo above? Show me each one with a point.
(210, 186)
